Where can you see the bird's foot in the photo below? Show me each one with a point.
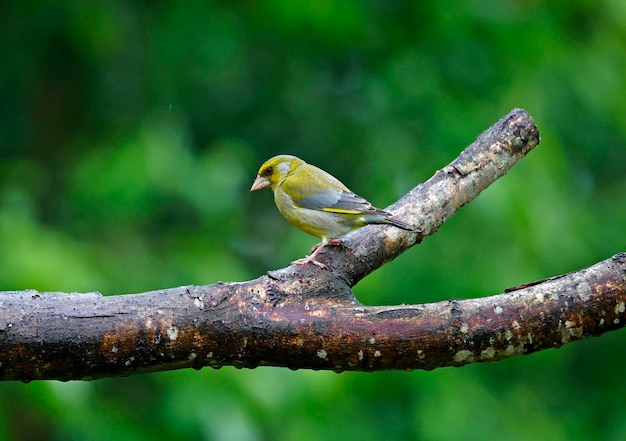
(314, 251)
(310, 259)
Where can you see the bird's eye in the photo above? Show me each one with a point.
(268, 171)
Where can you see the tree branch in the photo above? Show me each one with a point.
(305, 317)
(430, 204)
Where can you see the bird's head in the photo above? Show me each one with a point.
(274, 170)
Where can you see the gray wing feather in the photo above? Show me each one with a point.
(338, 200)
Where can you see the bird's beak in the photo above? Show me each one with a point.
(260, 183)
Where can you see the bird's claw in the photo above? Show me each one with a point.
(314, 251)
(310, 259)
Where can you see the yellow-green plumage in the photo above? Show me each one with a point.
(317, 202)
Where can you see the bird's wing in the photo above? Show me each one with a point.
(350, 203)
(314, 189)
(335, 200)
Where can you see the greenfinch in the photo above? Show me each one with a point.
(318, 203)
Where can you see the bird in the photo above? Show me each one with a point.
(318, 203)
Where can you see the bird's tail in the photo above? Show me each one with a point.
(397, 223)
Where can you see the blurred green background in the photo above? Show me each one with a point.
(130, 133)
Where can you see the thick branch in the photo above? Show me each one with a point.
(296, 324)
(305, 317)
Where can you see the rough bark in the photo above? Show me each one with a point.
(306, 317)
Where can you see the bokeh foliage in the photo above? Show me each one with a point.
(130, 133)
